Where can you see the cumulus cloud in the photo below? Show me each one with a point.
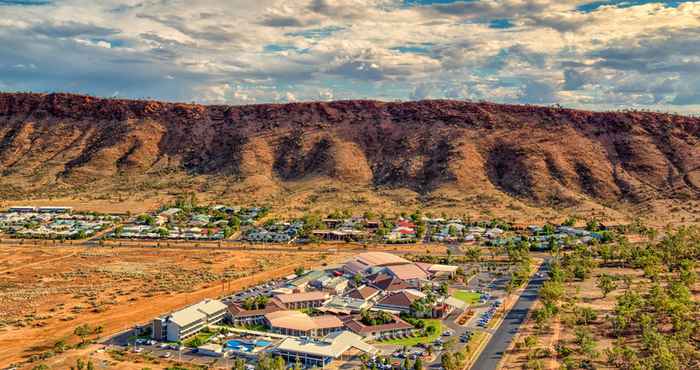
(241, 52)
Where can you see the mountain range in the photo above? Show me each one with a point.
(58, 144)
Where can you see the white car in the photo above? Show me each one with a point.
(166, 355)
(138, 349)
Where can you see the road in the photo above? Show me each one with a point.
(502, 338)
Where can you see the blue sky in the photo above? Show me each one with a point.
(590, 54)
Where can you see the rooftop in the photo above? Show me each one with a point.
(399, 299)
(302, 297)
(407, 272)
(333, 345)
(187, 316)
(364, 292)
(295, 320)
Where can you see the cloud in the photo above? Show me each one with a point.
(71, 29)
(24, 2)
(573, 79)
(282, 21)
(638, 53)
(537, 92)
(421, 91)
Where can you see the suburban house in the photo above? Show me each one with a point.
(320, 353)
(55, 209)
(188, 321)
(299, 324)
(375, 332)
(22, 209)
(297, 301)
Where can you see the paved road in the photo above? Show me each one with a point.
(500, 341)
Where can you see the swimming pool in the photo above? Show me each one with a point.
(237, 345)
(241, 346)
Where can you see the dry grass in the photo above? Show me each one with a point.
(46, 292)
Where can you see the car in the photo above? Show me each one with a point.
(166, 355)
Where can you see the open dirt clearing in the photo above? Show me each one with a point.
(45, 293)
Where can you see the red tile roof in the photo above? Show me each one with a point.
(399, 299)
(364, 292)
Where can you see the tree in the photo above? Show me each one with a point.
(447, 361)
(418, 365)
(299, 271)
(585, 315)
(530, 342)
(82, 331)
(238, 364)
(592, 225)
(357, 279)
(586, 342)
(298, 365)
(473, 254)
(443, 290)
(551, 292)
(570, 221)
(606, 283)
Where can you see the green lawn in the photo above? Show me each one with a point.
(413, 341)
(467, 296)
(198, 339)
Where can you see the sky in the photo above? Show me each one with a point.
(590, 54)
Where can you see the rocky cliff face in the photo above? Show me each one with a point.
(540, 155)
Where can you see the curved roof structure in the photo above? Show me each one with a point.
(296, 320)
(364, 261)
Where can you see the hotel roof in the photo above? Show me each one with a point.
(295, 320)
(210, 306)
(238, 311)
(399, 299)
(388, 283)
(187, 316)
(302, 297)
(380, 259)
(407, 272)
(333, 345)
(364, 292)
